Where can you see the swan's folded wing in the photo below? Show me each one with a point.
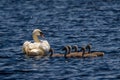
(34, 45)
(45, 45)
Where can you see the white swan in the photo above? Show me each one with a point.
(39, 47)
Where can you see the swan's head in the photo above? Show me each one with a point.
(66, 48)
(69, 48)
(75, 47)
(82, 49)
(67, 51)
(89, 47)
(38, 32)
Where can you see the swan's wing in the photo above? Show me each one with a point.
(45, 45)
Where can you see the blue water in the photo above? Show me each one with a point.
(64, 22)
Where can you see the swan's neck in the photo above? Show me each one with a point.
(89, 51)
(35, 38)
(52, 51)
(76, 49)
(89, 48)
(83, 53)
(69, 51)
(66, 52)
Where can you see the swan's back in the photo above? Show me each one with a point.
(98, 53)
(36, 47)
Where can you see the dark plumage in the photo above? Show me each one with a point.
(94, 52)
(78, 54)
(52, 54)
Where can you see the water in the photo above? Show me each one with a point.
(64, 22)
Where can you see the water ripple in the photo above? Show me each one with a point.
(64, 22)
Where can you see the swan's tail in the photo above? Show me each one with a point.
(25, 46)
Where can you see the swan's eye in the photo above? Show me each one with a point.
(41, 32)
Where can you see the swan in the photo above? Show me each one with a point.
(84, 54)
(82, 49)
(56, 54)
(75, 47)
(78, 54)
(70, 54)
(68, 51)
(94, 52)
(38, 47)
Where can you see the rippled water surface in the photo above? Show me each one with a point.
(64, 22)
